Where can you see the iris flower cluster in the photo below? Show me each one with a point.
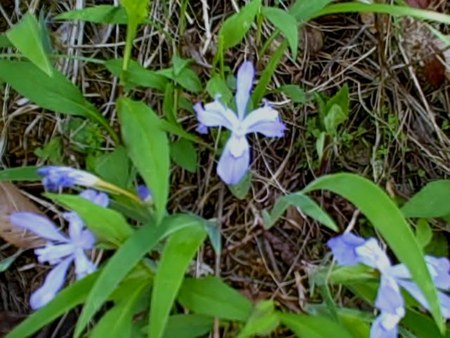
(235, 159)
(349, 249)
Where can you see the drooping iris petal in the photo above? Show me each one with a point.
(53, 253)
(440, 271)
(215, 114)
(389, 298)
(76, 224)
(52, 284)
(57, 177)
(244, 83)
(97, 197)
(413, 289)
(87, 240)
(38, 224)
(382, 327)
(83, 265)
(371, 254)
(343, 248)
(232, 168)
(264, 120)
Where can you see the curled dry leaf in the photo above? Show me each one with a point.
(12, 200)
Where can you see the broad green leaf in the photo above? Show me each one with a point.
(217, 86)
(356, 322)
(210, 296)
(118, 321)
(294, 92)
(178, 253)
(186, 78)
(184, 154)
(385, 216)
(148, 149)
(108, 225)
(114, 167)
(136, 75)
(27, 37)
(305, 326)
(304, 10)
(188, 326)
(263, 82)
(20, 174)
(64, 301)
(137, 10)
(424, 233)
(286, 23)
(422, 326)
(55, 93)
(4, 42)
(306, 206)
(241, 189)
(234, 28)
(433, 200)
(125, 259)
(98, 14)
(262, 321)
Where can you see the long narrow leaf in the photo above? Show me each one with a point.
(387, 218)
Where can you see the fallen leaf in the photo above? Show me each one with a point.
(12, 200)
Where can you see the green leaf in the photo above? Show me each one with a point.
(210, 296)
(118, 321)
(294, 92)
(433, 200)
(304, 10)
(424, 233)
(137, 10)
(306, 206)
(125, 259)
(20, 174)
(136, 75)
(241, 189)
(188, 326)
(234, 28)
(114, 167)
(4, 42)
(305, 326)
(184, 154)
(422, 326)
(176, 256)
(64, 301)
(55, 93)
(263, 83)
(107, 14)
(186, 78)
(108, 225)
(217, 86)
(385, 216)
(336, 111)
(286, 23)
(5, 263)
(262, 321)
(27, 37)
(148, 149)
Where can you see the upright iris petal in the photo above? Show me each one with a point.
(60, 250)
(235, 160)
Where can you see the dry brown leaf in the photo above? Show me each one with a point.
(12, 200)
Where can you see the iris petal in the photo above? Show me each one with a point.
(83, 265)
(371, 254)
(244, 84)
(264, 120)
(381, 329)
(215, 114)
(343, 248)
(38, 224)
(52, 284)
(230, 168)
(54, 253)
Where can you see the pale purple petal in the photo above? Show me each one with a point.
(83, 265)
(244, 83)
(389, 298)
(264, 120)
(144, 193)
(201, 129)
(343, 248)
(54, 253)
(371, 254)
(232, 168)
(76, 225)
(440, 271)
(413, 289)
(52, 284)
(215, 114)
(87, 240)
(57, 177)
(97, 197)
(38, 224)
(383, 327)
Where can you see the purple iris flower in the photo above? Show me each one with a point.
(60, 250)
(144, 193)
(57, 177)
(235, 159)
(349, 249)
